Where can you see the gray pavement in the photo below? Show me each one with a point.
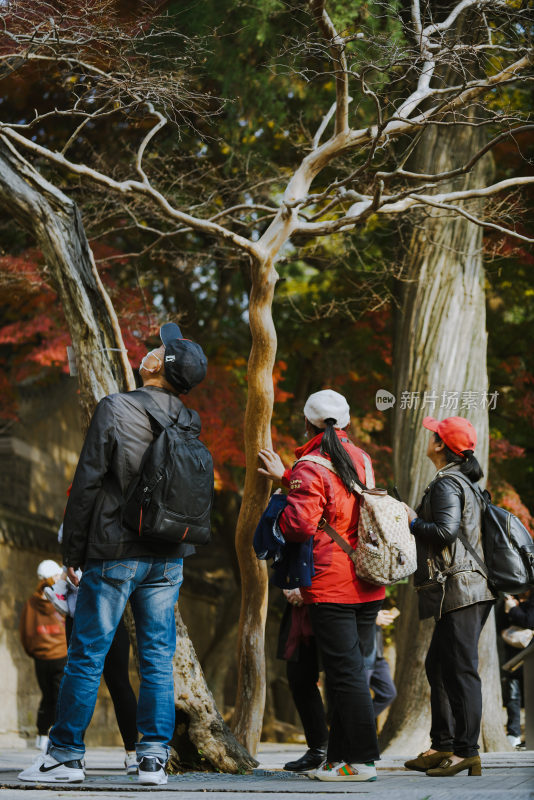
(505, 776)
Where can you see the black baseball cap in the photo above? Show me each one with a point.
(185, 362)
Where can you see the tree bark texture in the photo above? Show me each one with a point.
(53, 219)
(440, 344)
(250, 697)
(201, 737)
(103, 368)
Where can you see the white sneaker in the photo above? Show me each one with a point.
(41, 743)
(152, 771)
(57, 594)
(130, 763)
(346, 772)
(47, 770)
(513, 741)
(324, 765)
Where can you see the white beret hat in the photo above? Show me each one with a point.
(48, 568)
(327, 404)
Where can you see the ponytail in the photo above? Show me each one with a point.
(469, 465)
(341, 461)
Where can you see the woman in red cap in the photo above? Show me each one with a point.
(452, 589)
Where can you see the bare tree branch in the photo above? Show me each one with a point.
(337, 46)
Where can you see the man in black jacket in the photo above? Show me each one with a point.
(120, 565)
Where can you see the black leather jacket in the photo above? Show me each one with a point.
(117, 438)
(447, 508)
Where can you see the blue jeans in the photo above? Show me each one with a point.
(152, 585)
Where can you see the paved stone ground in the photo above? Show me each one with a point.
(505, 776)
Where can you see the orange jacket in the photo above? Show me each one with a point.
(42, 628)
(316, 492)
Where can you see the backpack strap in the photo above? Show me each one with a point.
(336, 537)
(479, 495)
(323, 524)
(369, 478)
(152, 408)
(325, 462)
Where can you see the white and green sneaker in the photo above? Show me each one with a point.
(346, 772)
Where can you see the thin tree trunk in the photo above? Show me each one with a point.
(53, 220)
(440, 347)
(250, 697)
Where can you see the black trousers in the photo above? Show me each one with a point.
(49, 674)
(302, 677)
(452, 671)
(116, 676)
(346, 637)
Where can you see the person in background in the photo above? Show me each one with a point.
(380, 678)
(342, 607)
(518, 612)
(297, 646)
(42, 633)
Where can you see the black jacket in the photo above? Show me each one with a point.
(111, 456)
(446, 508)
(523, 614)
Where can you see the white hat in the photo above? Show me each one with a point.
(47, 569)
(327, 405)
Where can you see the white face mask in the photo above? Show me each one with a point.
(153, 369)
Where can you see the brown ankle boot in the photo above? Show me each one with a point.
(422, 762)
(447, 769)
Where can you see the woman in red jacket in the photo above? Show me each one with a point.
(342, 607)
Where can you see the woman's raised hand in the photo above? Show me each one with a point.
(273, 466)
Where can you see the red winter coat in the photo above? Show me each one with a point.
(316, 492)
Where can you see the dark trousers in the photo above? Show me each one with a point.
(302, 677)
(116, 676)
(382, 685)
(346, 637)
(452, 671)
(49, 674)
(512, 690)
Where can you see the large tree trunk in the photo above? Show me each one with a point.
(201, 737)
(250, 698)
(440, 347)
(53, 220)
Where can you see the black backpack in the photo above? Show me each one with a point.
(171, 496)
(508, 546)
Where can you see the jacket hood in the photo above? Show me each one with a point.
(39, 602)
